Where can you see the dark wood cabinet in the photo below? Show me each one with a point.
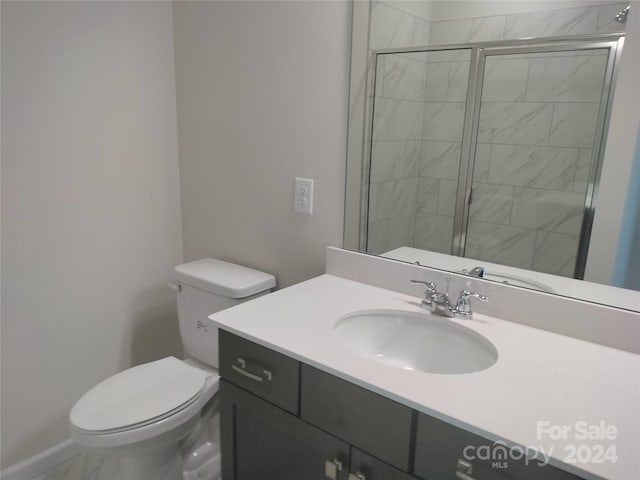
(284, 420)
(442, 451)
(260, 441)
(368, 421)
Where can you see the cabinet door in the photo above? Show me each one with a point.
(261, 441)
(444, 452)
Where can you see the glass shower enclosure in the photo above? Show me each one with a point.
(490, 151)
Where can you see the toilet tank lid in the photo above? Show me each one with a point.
(224, 278)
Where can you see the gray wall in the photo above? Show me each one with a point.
(90, 187)
(627, 272)
(633, 274)
(90, 205)
(617, 167)
(262, 98)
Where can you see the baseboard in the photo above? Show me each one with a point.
(42, 462)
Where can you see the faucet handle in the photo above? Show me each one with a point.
(431, 287)
(428, 293)
(463, 305)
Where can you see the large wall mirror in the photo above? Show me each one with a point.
(481, 142)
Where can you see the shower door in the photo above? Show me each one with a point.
(535, 141)
(418, 118)
(490, 151)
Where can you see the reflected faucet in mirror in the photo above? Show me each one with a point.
(475, 272)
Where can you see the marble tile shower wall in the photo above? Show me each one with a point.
(535, 142)
(550, 23)
(391, 27)
(395, 152)
(397, 132)
(536, 134)
(442, 124)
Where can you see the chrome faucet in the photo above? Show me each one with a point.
(463, 305)
(428, 293)
(440, 304)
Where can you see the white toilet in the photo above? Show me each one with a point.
(160, 419)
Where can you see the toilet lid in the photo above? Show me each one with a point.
(138, 395)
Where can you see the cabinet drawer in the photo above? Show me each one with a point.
(373, 469)
(268, 374)
(364, 419)
(441, 446)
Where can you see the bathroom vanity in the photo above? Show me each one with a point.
(305, 423)
(299, 402)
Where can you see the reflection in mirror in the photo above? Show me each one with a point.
(490, 147)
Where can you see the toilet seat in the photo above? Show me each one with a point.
(141, 402)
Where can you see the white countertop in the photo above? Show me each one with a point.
(539, 376)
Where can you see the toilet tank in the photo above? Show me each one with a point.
(205, 287)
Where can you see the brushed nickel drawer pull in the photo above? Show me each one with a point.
(464, 470)
(357, 476)
(332, 468)
(241, 367)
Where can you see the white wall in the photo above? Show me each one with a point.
(90, 205)
(262, 98)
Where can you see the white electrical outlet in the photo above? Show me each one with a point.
(303, 196)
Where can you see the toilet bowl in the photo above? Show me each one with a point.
(160, 419)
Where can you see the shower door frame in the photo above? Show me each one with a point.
(479, 51)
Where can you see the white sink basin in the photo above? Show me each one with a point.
(416, 341)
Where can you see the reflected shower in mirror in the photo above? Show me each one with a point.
(518, 194)
(484, 149)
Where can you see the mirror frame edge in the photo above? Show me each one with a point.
(357, 122)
